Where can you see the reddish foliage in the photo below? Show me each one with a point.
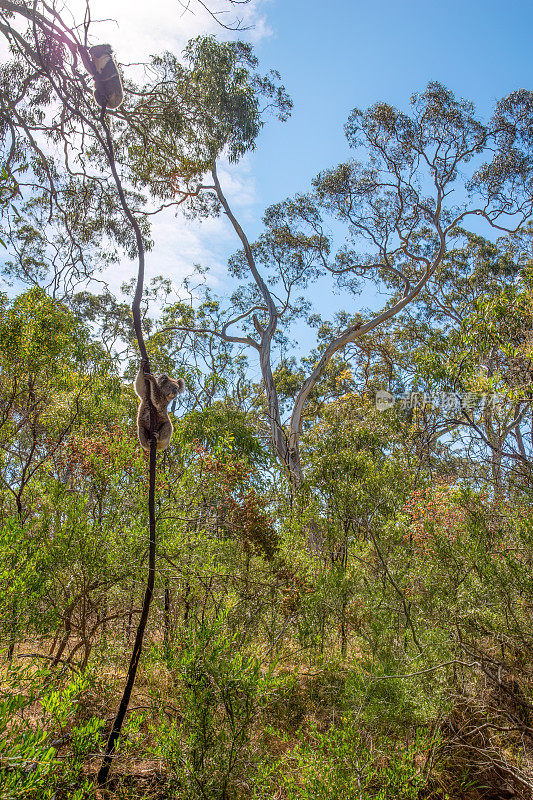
(434, 513)
(240, 509)
(82, 452)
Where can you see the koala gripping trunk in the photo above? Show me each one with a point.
(150, 579)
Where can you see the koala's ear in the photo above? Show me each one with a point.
(181, 385)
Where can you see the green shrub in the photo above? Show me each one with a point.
(44, 759)
(207, 750)
(344, 762)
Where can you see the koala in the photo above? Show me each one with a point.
(162, 391)
(108, 91)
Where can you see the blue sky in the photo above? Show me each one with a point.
(345, 54)
(331, 57)
(335, 56)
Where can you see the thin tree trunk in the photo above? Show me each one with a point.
(139, 636)
(150, 581)
(187, 605)
(167, 614)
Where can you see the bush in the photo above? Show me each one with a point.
(344, 762)
(44, 759)
(207, 750)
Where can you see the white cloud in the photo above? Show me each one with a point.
(237, 183)
(180, 244)
(140, 30)
(137, 30)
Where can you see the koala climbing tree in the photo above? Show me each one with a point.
(100, 63)
(150, 417)
(163, 390)
(77, 84)
(108, 91)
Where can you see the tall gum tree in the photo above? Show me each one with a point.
(46, 98)
(417, 177)
(68, 222)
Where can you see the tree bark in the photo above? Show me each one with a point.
(150, 580)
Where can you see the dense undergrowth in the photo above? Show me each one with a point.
(368, 637)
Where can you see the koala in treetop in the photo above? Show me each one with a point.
(162, 391)
(108, 91)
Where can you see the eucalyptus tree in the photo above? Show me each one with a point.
(68, 221)
(416, 177)
(468, 337)
(65, 225)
